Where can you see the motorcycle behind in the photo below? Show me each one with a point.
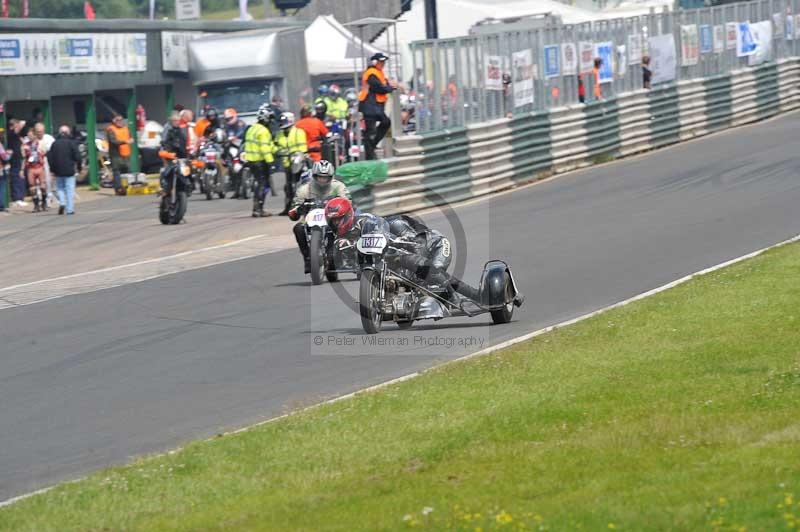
(320, 242)
(239, 183)
(214, 180)
(175, 181)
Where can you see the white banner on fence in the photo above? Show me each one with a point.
(719, 39)
(175, 50)
(187, 9)
(586, 56)
(690, 45)
(730, 35)
(745, 43)
(622, 60)
(777, 28)
(789, 30)
(635, 48)
(762, 35)
(796, 26)
(52, 53)
(569, 58)
(523, 69)
(662, 58)
(493, 74)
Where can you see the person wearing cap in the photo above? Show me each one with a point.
(375, 90)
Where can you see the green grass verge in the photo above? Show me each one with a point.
(681, 411)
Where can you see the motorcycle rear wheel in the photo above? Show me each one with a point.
(504, 314)
(369, 294)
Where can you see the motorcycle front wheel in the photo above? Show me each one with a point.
(316, 250)
(369, 301)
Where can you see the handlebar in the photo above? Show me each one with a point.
(168, 155)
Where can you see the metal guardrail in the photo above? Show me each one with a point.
(454, 86)
(464, 162)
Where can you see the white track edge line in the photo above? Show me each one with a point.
(140, 263)
(488, 350)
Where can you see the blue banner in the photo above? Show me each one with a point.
(80, 47)
(706, 39)
(9, 48)
(552, 56)
(605, 51)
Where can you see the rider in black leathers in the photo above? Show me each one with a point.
(174, 142)
(430, 251)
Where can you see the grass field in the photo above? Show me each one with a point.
(681, 411)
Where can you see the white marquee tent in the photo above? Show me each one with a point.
(331, 48)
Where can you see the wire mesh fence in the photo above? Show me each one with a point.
(473, 79)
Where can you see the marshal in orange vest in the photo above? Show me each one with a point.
(123, 135)
(372, 71)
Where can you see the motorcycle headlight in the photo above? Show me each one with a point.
(232, 151)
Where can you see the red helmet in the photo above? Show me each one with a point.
(340, 215)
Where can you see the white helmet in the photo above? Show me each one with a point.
(265, 114)
(323, 173)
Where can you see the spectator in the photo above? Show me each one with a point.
(45, 141)
(508, 96)
(647, 74)
(16, 180)
(581, 89)
(64, 159)
(186, 123)
(34, 153)
(119, 150)
(315, 132)
(4, 158)
(598, 92)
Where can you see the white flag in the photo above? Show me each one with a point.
(243, 14)
(152, 9)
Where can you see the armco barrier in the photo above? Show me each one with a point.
(479, 159)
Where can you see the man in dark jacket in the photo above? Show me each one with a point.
(375, 89)
(64, 159)
(16, 181)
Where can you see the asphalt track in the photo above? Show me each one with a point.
(94, 379)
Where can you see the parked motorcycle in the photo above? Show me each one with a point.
(175, 182)
(389, 292)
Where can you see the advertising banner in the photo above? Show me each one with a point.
(586, 56)
(493, 76)
(635, 49)
(745, 43)
(552, 69)
(663, 58)
(569, 58)
(175, 50)
(762, 36)
(53, 53)
(690, 45)
(730, 35)
(605, 51)
(719, 39)
(706, 39)
(522, 79)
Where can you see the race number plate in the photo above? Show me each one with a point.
(316, 217)
(372, 244)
